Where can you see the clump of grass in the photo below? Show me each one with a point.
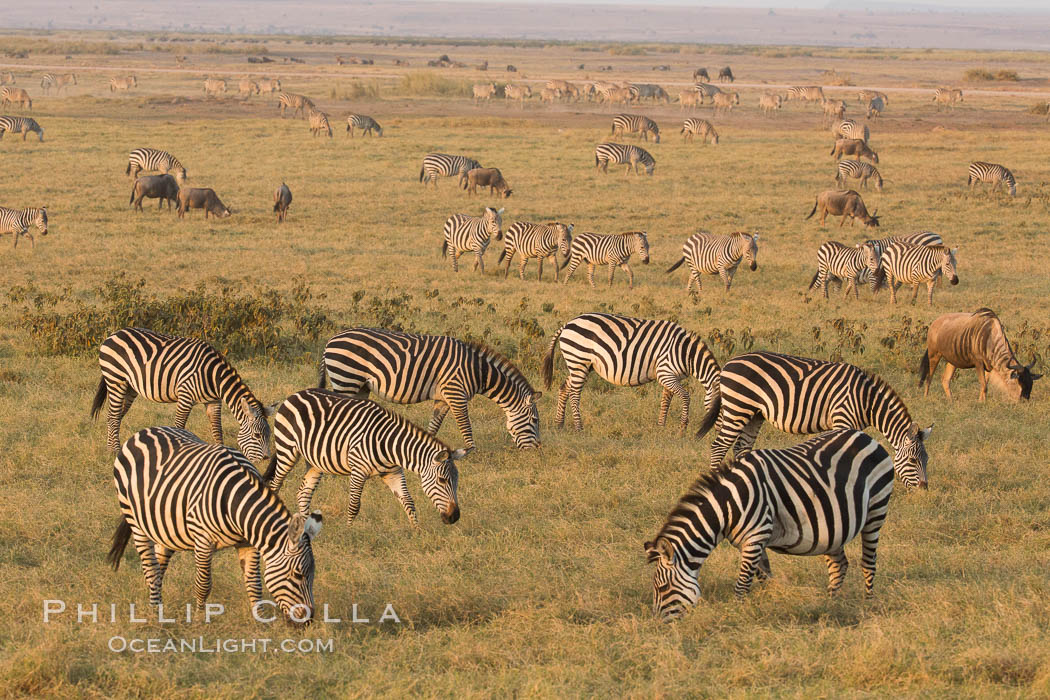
(430, 85)
(1041, 107)
(976, 75)
(832, 77)
(357, 89)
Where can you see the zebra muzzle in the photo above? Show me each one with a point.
(754, 266)
(955, 280)
(451, 516)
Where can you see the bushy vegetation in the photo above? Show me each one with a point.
(432, 85)
(975, 75)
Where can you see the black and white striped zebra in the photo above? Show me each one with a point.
(177, 493)
(633, 157)
(150, 159)
(366, 124)
(465, 233)
(706, 90)
(850, 129)
(408, 368)
(857, 170)
(20, 125)
(699, 127)
(50, 80)
(635, 124)
(906, 263)
(342, 436)
(800, 395)
(184, 371)
(20, 222)
(993, 174)
(807, 500)
(612, 250)
(444, 165)
(540, 241)
(849, 264)
(806, 93)
(299, 104)
(630, 352)
(917, 238)
(717, 255)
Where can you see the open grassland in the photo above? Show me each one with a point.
(541, 588)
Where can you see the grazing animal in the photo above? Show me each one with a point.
(202, 198)
(465, 233)
(407, 368)
(282, 199)
(163, 188)
(548, 96)
(517, 92)
(184, 371)
(442, 164)
(850, 129)
(650, 91)
(806, 500)
(707, 90)
(690, 98)
(846, 263)
(917, 238)
(833, 110)
(946, 97)
(319, 124)
(214, 87)
(906, 263)
(22, 125)
(844, 203)
(123, 84)
(633, 157)
(19, 222)
(599, 249)
(724, 101)
(7, 78)
(485, 177)
(275, 85)
(630, 352)
(771, 104)
(700, 73)
(806, 93)
(699, 127)
(348, 437)
(975, 341)
(991, 173)
(717, 255)
(177, 493)
(726, 75)
(875, 108)
(620, 95)
(564, 88)
(58, 82)
(299, 104)
(248, 87)
(484, 91)
(366, 124)
(13, 95)
(635, 124)
(869, 95)
(151, 159)
(853, 147)
(858, 170)
(540, 241)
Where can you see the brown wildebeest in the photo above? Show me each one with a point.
(844, 203)
(202, 198)
(700, 73)
(854, 147)
(282, 199)
(485, 177)
(160, 187)
(976, 340)
(725, 75)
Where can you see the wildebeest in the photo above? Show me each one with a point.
(202, 198)
(854, 147)
(701, 73)
(975, 341)
(12, 94)
(484, 91)
(844, 203)
(725, 75)
(511, 68)
(160, 187)
(485, 177)
(282, 199)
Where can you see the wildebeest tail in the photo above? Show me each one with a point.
(120, 543)
(548, 360)
(924, 366)
(815, 202)
(100, 398)
(676, 265)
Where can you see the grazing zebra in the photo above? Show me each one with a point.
(917, 238)
(21, 125)
(19, 222)
(598, 249)
(858, 170)
(770, 104)
(177, 493)
(248, 87)
(806, 93)
(484, 91)
(125, 83)
(800, 396)
(630, 352)
(319, 123)
(7, 78)
(906, 263)
(725, 100)
(538, 241)
(435, 164)
(845, 263)
(652, 92)
(717, 255)
(360, 439)
(183, 371)
(366, 124)
(805, 500)
(299, 104)
(517, 92)
(471, 233)
(635, 124)
(993, 174)
(706, 90)
(633, 157)
(408, 368)
(58, 82)
(547, 96)
(150, 159)
(699, 127)
(834, 110)
(214, 86)
(947, 97)
(13, 95)
(850, 129)
(689, 98)
(275, 85)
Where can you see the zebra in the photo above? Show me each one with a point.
(630, 352)
(435, 164)
(946, 97)
(178, 493)
(906, 263)
(869, 95)
(619, 154)
(806, 93)
(183, 371)
(834, 111)
(717, 255)
(408, 368)
(15, 95)
(471, 233)
(857, 170)
(599, 249)
(918, 238)
(846, 263)
(800, 395)
(21, 125)
(635, 124)
(319, 123)
(343, 436)
(699, 127)
(58, 82)
(538, 241)
(851, 129)
(151, 159)
(992, 173)
(366, 124)
(805, 500)
(214, 86)
(484, 91)
(19, 222)
(125, 83)
(297, 103)
(770, 104)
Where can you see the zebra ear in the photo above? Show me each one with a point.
(462, 452)
(442, 456)
(651, 554)
(923, 434)
(312, 527)
(295, 530)
(954, 251)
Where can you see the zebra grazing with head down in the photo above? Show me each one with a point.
(717, 255)
(19, 222)
(177, 493)
(366, 124)
(184, 371)
(599, 249)
(58, 82)
(408, 368)
(906, 263)
(13, 95)
(699, 127)
(834, 110)
(917, 238)
(630, 352)
(540, 241)
(849, 264)
(150, 159)
(807, 500)
(465, 233)
(319, 123)
(633, 157)
(850, 129)
(125, 83)
(994, 174)
(22, 125)
(346, 437)
(444, 165)
(214, 86)
(858, 170)
(635, 124)
(806, 93)
(299, 104)
(946, 97)
(800, 396)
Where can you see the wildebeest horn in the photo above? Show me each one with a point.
(876, 212)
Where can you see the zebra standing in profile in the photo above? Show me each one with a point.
(633, 157)
(717, 255)
(19, 222)
(444, 165)
(366, 124)
(58, 82)
(465, 233)
(849, 264)
(599, 249)
(121, 84)
(150, 159)
(22, 125)
(993, 174)
(319, 123)
(177, 493)
(801, 396)
(807, 500)
(857, 170)
(297, 103)
(851, 129)
(183, 371)
(699, 127)
(346, 437)
(946, 97)
(906, 263)
(635, 124)
(408, 368)
(706, 90)
(806, 93)
(630, 352)
(538, 241)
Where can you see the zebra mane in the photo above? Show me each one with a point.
(501, 362)
(883, 385)
(703, 485)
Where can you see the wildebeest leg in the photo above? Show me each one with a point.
(982, 378)
(935, 359)
(946, 380)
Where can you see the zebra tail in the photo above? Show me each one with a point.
(880, 280)
(924, 367)
(421, 174)
(548, 360)
(444, 249)
(271, 470)
(322, 373)
(675, 266)
(100, 398)
(120, 543)
(711, 417)
(812, 212)
(127, 170)
(814, 280)
(502, 254)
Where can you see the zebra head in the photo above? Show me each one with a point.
(910, 458)
(871, 258)
(948, 265)
(289, 574)
(180, 175)
(40, 220)
(564, 238)
(750, 245)
(675, 585)
(440, 480)
(523, 421)
(253, 437)
(640, 245)
(494, 222)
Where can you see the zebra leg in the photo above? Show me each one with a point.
(147, 555)
(673, 387)
(869, 539)
(612, 270)
(751, 553)
(574, 262)
(572, 388)
(249, 560)
(727, 279)
(438, 417)
(946, 379)
(214, 410)
(837, 566)
(120, 397)
(893, 287)
(665, 405)
(357, 484)
(455, 260)
(521, 267)
(559, 409)
(539, 261)
(630, 275)
(929, 291)
(764, 571)
(590, 273)
(202, 551)
(727, 436)
(915, 293)
(554, 263)
(459, 413)
(182, 410)
(285, 458)
(982, 379)
(311, 479)
(395, 481)
(748, 435)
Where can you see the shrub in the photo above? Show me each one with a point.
(978, 74)
(430, 85)
(1041, 107)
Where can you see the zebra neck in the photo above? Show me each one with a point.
(494, 383)
(413, 451)
(231, 389)
(888, 414)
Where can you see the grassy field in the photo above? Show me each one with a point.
(542, 587)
